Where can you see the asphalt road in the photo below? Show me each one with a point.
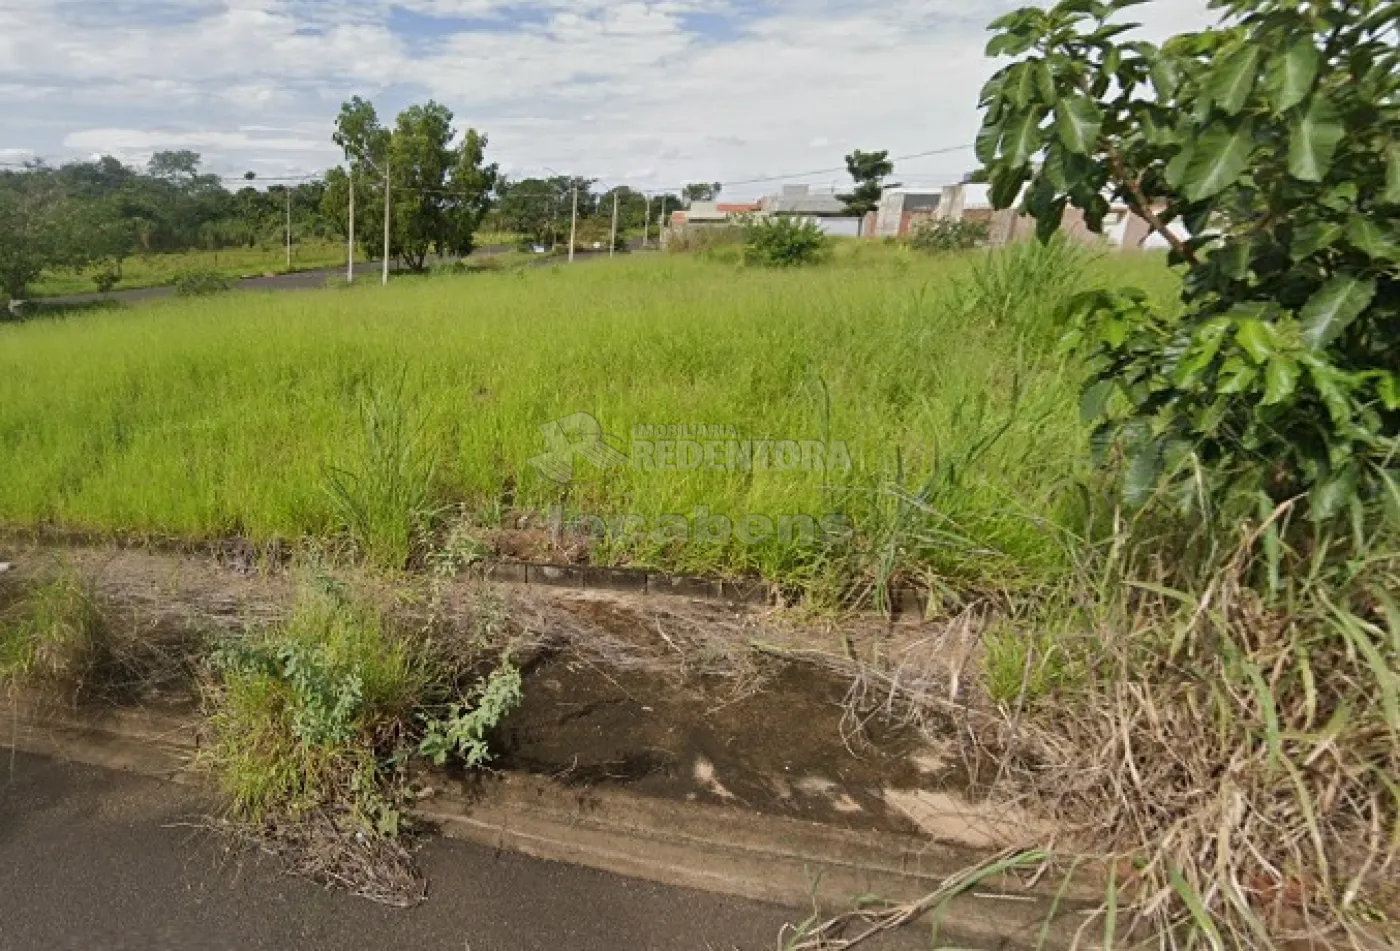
(92, 859)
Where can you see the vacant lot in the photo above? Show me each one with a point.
(231, 416)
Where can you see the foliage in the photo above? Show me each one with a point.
(303, 715)
(55, 636)
(439, 192)
(1236, 749)
(938, 235)
(38, 229)
(383, 499)
(701, 191)
(313, 725)
(462, 731)
(869, 171)
(783, 241)
(1028, 285)
(1264, 151)
(201, 282)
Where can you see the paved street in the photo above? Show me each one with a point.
(91, 859)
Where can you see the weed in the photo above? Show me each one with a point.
(201, 282)
(462, 731)
(383, 498)
(55, 637)
(314, 723)
(1026, 285)
(939, 235)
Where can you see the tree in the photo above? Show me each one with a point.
(701, 191)
(869, 171)
(38, 219)
(541, 208)
(440, 191)
(1264, 152)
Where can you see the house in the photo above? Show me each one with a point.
(1121, 228)
(900, 211)
(824, 210)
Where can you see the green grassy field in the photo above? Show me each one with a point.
(155, 270)
(228, 416)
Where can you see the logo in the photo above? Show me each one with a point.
(577, 436)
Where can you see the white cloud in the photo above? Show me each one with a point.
(624, 90)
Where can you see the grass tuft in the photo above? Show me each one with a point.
(55, 638)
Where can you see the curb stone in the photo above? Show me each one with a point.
(719, 849)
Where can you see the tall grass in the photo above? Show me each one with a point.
(222, 417)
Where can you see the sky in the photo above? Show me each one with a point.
(649, 93)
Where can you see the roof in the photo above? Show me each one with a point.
(798, 200)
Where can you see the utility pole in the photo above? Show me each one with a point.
(612, 243)
(350, 245)
(387, 199)
(646, 222)
(289, 228)
(573, 226)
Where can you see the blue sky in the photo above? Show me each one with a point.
(651, 93)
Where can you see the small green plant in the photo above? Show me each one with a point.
(784, 242)
(304, 714)
(200, 282)
(314, 723)
(462, 732)
(1027, 284)
(55, 637)
(383, 499)
(1023, 667)
(941, 235)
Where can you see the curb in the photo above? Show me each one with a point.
(699, 846)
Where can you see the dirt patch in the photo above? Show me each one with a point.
(675, 698)
(677, 704)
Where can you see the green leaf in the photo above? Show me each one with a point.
(1232, 79)
(1313, 139)
(1144, 466)
(1312, 238)
(988, 138)
(1388, 389)
(1365, 235)
(1095, 400)
(1022, 138)
(1045, 83)
(1236, 376)
(1166, 77)
(1257, 339)
(1332, 309)
(1078, 120)
(1332, 495)
(1280, 380)
(1020, 84)
(1391, 196)
(1006, 184)
(1290, 77)
(1219, 158)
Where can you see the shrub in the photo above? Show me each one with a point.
(314, 722)
(946, 234)
(200, 282)
(784, 242)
